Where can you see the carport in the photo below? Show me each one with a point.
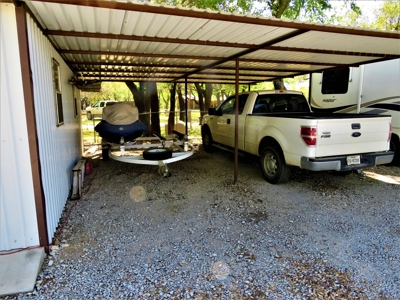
(123, 41)
(128, 41)
(118, 41)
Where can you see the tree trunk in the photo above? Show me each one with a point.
(208, 95)
(152, 96)
(201, 98)
(204, 97)
(278, 7)
(141, 103)
(279, 85)
(181, 104)
(171, 117)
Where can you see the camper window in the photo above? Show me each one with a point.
(335, 81)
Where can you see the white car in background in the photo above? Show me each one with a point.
(97, 109)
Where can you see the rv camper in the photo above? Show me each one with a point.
(369, 89)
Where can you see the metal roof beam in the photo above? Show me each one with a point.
(165, 74)
(186, 57)
(126, 54)
(267, 46)
(96, 35)
(220, 16)
(100, 71)
(245, 52)
(182, 81)
(125, 77)
(347, 53)
(97, 63)
(154, 69)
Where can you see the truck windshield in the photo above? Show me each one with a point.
(280, 103)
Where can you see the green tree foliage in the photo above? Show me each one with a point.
(242, 6)
(109, 91)
(305, 10)
(388, 16)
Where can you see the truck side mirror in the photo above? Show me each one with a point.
(212, 111)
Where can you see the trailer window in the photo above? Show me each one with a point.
(335, 81)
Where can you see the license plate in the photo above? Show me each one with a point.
(353, 160)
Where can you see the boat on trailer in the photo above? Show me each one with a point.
(121, 132)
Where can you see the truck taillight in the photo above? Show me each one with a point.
(390, 132)
(309, 135)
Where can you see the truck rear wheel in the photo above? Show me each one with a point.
(273, 166)
(395, 146)
(89, 115)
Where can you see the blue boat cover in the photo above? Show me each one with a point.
(113, 133)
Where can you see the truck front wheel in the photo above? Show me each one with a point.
(273, 166)
(207, 140)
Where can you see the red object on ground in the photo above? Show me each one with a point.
(88, 168)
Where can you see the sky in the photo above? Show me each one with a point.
(367, 7)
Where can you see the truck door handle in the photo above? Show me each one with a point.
(228, 121)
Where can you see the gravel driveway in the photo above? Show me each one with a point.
(197, 235)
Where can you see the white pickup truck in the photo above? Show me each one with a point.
(97, 109)
(280, 128)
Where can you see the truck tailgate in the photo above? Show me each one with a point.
(349, 135)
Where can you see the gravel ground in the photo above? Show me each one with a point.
(196, 235)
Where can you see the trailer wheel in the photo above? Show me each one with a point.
(157, 154)
(164, 172)
(104, 153)
(395, 146)
(207, 140)
(273, 166)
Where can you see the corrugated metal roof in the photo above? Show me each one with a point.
(120, 40)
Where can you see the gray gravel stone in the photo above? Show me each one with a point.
(197, 235)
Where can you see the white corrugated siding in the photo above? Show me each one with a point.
(18, 224)
(59, 146)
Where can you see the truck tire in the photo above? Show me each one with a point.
(395, 146)
(207, 140)
(273, 166)
(157, 154)
(89, 115)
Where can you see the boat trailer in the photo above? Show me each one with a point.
(157, 150)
